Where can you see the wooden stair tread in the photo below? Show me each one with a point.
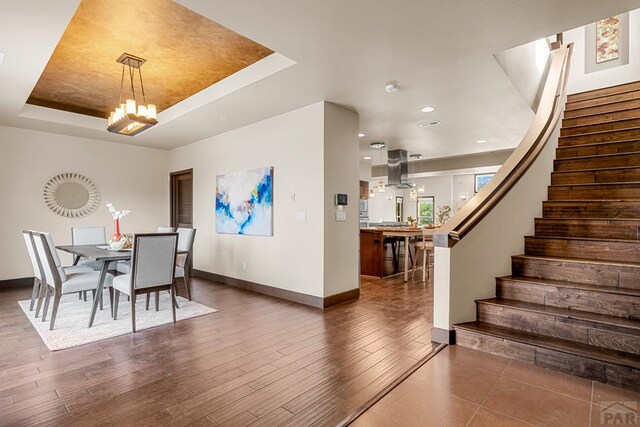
(593, 184)
(607, 122)
(580, 260)
(596, 156)
(565, 346)
(612, 168)
(602, 132)
(586, 239)
(582, 220)
(566, 313)
(603, 92)
(575, 285)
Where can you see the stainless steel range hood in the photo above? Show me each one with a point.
(398, 169)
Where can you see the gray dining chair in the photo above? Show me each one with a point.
(153, 265)
(57, 281)
(89, 236)
(186, 237)
(124, 267)
(38, 274)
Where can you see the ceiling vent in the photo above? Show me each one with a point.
(428, 124)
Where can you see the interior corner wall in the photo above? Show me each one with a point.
(293, 258)
(341, 238)
(128, 176)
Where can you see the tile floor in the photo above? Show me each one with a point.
(464, 387)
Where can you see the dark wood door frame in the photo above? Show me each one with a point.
(173, 206)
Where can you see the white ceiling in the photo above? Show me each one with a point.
(342, 51)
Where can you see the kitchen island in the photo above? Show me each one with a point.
(373, 250)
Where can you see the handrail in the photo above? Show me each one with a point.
(549, 111)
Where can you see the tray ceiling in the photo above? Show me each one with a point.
(185, 54)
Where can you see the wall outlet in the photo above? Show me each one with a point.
(244, 265)
(301, 216)
(341, 216)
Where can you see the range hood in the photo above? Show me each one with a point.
(398, 169)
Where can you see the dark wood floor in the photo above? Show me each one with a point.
(258, 361)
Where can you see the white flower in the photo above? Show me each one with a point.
(115, 214)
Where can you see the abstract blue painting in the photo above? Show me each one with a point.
(244, 202)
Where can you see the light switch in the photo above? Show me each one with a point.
(341, 216)
(301, 216)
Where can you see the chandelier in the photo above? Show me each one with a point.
(131, 118)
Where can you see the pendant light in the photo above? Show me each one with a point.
(130, 118)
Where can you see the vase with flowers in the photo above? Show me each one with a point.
(117, 240)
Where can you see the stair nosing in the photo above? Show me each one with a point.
(615, 168)
(597, 124)
(586, 239)
(574, 285)
(603, 88)
(579, 260)
(591, 156)
(600, 132)
(609, 356)
(580, 315)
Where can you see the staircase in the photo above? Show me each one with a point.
(572, 302)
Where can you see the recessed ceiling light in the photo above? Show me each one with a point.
(1, 57)
(378, 145)
(428, 109)
(427, 124)
(481, 141)
(416, 156)
(391, 86)
(367, 157)
(361, 135)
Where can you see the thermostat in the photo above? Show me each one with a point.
(341, 200)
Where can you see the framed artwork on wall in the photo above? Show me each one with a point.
(480, 180)
(607, 39)
(244, 202)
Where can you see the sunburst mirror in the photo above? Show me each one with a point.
(71, 195)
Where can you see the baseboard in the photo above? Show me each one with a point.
(310, 300)
(17, 283)
(443, 336)
(341, 297)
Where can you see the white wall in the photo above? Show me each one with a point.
(580, 81)
(128, 176)
(294, 144)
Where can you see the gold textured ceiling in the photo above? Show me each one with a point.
(185, 54)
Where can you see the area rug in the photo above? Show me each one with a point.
(71, 328)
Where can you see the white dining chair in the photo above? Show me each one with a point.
(57, 281)
(124, 267)
(426, 246)
(38, 274)
(153, 264)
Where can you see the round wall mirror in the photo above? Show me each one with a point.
(71, 195)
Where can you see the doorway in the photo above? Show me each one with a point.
(181, 190)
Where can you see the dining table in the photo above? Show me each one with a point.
(104, 255)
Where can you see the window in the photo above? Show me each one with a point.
(425, 210)
(399, 210)
(481, 180)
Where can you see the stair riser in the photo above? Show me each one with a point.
(619, 97)
(597, 229)
(605, 91)
(595, 192)
(569, 271)
(580, 249)
(596, 370)
(613, 136)
(627, 306)
(602, 109)
(598, 149)
(600, 127)
(602, 118)
(625, 160)
(560, 327)
(597, 176)
(592, 209)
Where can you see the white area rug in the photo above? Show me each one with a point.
(71, 328)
